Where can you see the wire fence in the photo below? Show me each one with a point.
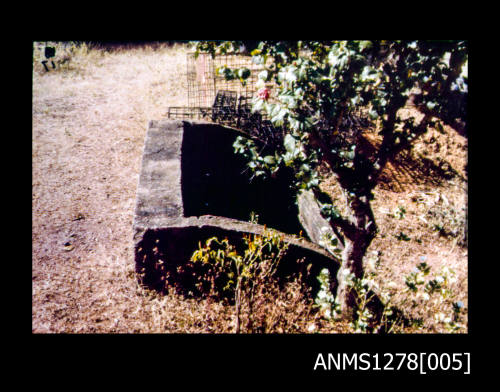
(213, 98)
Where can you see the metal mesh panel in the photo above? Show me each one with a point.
(204, 82)
(213, 98)
(229, 102)
(189, 113)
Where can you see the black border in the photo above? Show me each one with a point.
(187, 357)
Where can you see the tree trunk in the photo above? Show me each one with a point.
(352, 264)
(359, 233)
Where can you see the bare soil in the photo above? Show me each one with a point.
(429, 182)
(89, 122)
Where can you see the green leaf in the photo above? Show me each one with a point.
(289, 143)
(270, 160)
(431, 105)
(278, 118)
(257, 105)
(272, 109)
(305, 167)
(294, 123)
(288, 158)
(373, 114)
(263, 75)
(365, 45)
(243, 73)
(302, 73)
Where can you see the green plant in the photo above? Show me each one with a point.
(329, 241)
(449, 222)
(326, 93)
(430, 302)
(427, 302)
(400, 212)
(402, 237)
(325, 300)
(436, 293)
(243, 272)
(364, 294)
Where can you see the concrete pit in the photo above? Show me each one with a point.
(192, 186)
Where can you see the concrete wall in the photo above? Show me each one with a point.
(311, 219)
(192, 187)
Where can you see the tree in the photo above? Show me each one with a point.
(321, 89)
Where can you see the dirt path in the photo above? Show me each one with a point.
(88, 133)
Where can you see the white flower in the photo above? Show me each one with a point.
(425, 296)
(311, 327)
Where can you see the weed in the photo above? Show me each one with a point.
(427, 303)
(402, 237)
(400, 212)
(243, 273)
(325, 300)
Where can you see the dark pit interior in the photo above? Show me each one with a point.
(162, 261)
(216, 181)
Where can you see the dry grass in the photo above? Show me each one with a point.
(89, 123)
(430, 183)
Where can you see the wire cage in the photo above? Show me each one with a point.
(229, 102)
(204, 81)
(213, 98)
